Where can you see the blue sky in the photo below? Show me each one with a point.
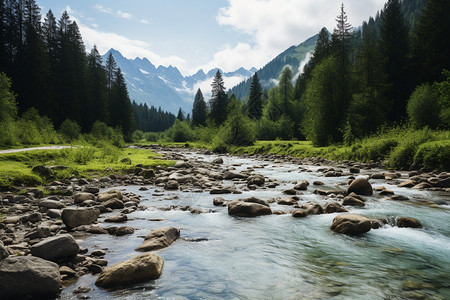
(194, 34)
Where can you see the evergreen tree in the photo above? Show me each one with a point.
(111, 69)
(180, 115)
(219, 100)
(96, 109)
(430, 46)
(255, 99)
(341, 37)
(395, 48)
(121, 110)
(237, 129)
(286, 90)
(199, 110)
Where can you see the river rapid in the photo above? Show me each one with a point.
(219, 256)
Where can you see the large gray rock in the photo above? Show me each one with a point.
(141, 268)
(56, 247)
(247, 209)
(51, 204)
(28, 277)
(301, 185)
(351, 224)
(105, 196)
(360, 186)
(81, 197)
(74, 217)
(159, 238)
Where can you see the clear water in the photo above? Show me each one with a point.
(280, 257)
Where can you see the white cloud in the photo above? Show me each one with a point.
(124, 15)
(275, 25)
(94, 25)
(103, 9)
(144, 21)
(109, 11)
(127, 47)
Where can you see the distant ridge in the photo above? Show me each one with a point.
(165, 87)
(268, 75)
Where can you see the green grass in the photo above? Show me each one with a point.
(84, 161)
(399, 148)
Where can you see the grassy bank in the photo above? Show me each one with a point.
(399, 148)
(84, 161)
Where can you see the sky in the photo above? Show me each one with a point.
(204, 34)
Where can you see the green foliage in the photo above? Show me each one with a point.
(102, 132)
(137, 135)
(8, 105)
(255, 99)
(444, 100)
(199, 110)
(219, 100)
(151, 136)
(322, 122)
(433, 155)
(69, 130)
(238, 129)
(423, 107)
(180, 131)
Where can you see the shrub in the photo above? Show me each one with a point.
(137, 136)
(70, 130)
(102, 132)
(180, 131)
(433, 155)
(237, 129)
(151, 136)
(423, 107)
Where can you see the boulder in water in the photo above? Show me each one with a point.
(141, 268)
(247, 209)
(159, 238)
(351, 224)
(360, 186)
(408, 222)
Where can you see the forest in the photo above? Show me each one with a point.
(49, 81)
(390, 73)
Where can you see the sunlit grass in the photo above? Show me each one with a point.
(84, 161)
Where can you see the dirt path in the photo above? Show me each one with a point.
(33, 148)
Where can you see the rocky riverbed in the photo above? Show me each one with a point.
(120, 236)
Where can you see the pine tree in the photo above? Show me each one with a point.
(341, 37)
(255, 99)
(430, 45)
(219, 100)
(96, 109)
(286, 90)
(180, 115)
(395, 48)
(121, 109)
(199, 110)
(111, 69)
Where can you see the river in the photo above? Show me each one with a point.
(281, 257)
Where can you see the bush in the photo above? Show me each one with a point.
(151, 136)
(69, 130)
(238, 129)
(423, 107)
(8, 135)
(180, 131)
(137, 136)
(102, 132)
(433, 155)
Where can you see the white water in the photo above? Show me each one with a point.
(280, 257)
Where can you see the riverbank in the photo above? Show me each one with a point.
(186, 196)
(397, 149)
(37, 166)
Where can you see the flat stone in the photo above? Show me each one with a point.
(351, 224)
(159, 238)
(56, 247)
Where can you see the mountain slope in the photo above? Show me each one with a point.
(166, 87)
(295, 56)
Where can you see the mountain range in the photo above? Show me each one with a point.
(167, 88)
